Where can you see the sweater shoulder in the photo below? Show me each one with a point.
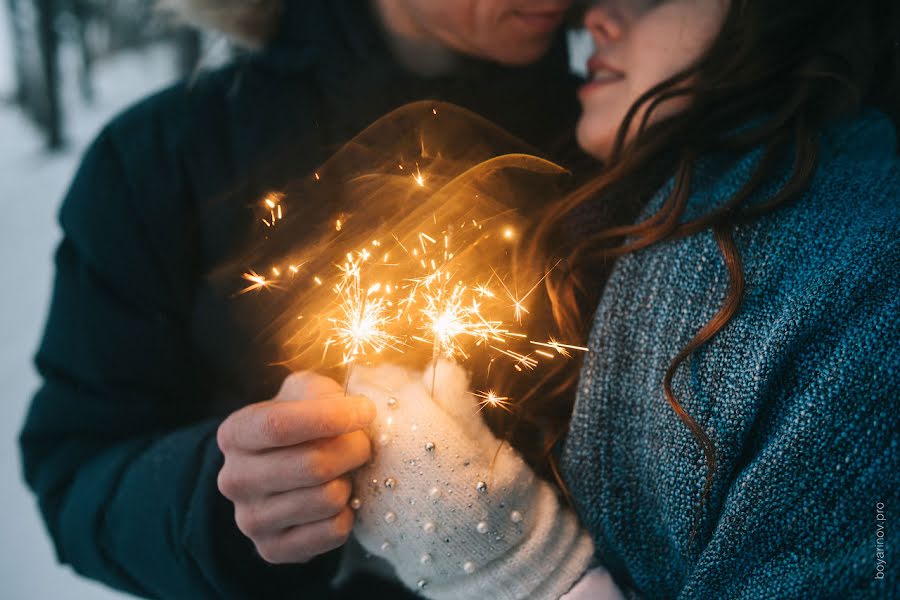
(845, 221)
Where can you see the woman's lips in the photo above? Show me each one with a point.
(600, 74)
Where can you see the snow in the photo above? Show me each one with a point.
(32, 183)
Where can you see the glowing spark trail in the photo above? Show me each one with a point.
(258, 282)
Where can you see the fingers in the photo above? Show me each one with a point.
(302, 543)
(271, 516)
(252, 476)
(273, 424)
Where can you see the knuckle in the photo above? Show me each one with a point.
(227, 483)
(300, 385)
(270, 552)
(224, 435)
(274, 427)
(289, 547)
(248, 521)
(293, 385)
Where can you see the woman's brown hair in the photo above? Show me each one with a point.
(775, 75)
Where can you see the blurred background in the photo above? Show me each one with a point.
(66, 67)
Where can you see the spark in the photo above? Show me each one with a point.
(257, 282)
(518, 302)
(522, 360)
(561, 349)
(420, 179)
(490, 398)
(362, 324)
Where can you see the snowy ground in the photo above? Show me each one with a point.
(31, 186)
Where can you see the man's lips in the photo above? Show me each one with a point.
(541, 20)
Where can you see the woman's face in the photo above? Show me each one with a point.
(639, 43)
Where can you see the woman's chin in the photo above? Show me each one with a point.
(593, 137)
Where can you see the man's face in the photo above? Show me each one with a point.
(512, 32)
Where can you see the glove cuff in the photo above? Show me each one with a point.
(550, 559)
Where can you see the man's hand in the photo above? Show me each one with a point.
(286, 465)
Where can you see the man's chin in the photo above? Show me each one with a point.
(520, 55)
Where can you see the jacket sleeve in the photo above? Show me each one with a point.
(116, 445)
(808, 512)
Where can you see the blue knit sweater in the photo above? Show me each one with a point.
(799, 394)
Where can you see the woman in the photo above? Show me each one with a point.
(733, 433)
(761, 306)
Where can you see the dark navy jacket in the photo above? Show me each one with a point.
(143, 355)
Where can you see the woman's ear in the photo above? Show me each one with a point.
(250, 23)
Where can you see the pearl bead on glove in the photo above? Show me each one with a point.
(456, 518)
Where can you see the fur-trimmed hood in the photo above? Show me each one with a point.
(249, 22)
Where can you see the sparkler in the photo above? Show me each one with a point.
(435, 303)
(363, 322)
(437, 285)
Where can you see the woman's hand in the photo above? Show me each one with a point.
(286, 465)
(457, 512)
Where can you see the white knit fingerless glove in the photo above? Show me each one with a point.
(456, 518)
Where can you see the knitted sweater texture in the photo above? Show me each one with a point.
(799, 393)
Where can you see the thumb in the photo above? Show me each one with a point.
(302, 385)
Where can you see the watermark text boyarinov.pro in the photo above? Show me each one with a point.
(880, 550)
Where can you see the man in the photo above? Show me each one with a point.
(144, 354)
